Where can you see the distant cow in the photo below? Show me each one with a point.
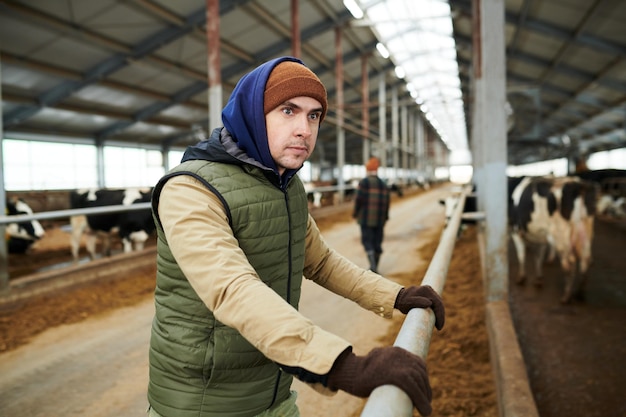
(554, 213)
(612, 186)
(470, 206)
(314, 197)
(21, 236)
(133, 227)
(612, 206)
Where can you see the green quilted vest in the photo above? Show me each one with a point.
(198, 366)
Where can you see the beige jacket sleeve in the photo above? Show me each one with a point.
(197, 230)
(331, 270)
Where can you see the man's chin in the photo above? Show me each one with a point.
(294, 163)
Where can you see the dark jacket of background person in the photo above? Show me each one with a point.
(372, 202)
(371, 209)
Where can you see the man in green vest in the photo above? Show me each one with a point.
(234, 240)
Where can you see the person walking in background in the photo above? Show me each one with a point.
(235, 239)
(371, 209)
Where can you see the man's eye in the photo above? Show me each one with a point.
(314, 116)
(288, 110)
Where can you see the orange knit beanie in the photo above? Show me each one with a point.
(291, 79)
(372, 165)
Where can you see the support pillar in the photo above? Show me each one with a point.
(295, 29)
(404, 142)
(491, 136)
(4, 259)
(214, 65)
(395, 131)
(341, 139)
(365, 107)
(382, 121)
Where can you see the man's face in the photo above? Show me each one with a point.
(292, 130)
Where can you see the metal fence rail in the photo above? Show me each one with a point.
(59, 214)
(417, 328)
(47, 215)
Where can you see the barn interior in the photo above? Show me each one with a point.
(534, 81)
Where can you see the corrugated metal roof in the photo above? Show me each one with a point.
(136, 70)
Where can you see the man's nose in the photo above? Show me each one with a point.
(303, 126)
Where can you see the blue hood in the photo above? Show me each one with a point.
(243, 115)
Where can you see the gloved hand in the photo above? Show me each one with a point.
(359, 375)
(422, 297)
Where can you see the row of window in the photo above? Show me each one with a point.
(35, 165)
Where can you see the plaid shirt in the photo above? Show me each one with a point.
(371, 208)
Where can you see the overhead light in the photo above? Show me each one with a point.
(382, 50)
(353, 8)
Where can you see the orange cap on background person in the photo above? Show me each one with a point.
(291, 79)
(372, 165)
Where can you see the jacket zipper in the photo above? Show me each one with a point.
(277, 385)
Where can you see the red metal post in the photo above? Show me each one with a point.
(213, 42)
(339, 76)
(295, 29)
(214, 64)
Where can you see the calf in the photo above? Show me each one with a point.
(21, 236)
(558, 214)
(133, 227)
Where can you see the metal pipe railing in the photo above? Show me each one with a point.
(57, 214)
(417, 328)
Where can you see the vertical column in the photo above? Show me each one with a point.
(365, 107)
(100, 164)
(438, 151)
(476, 81)
(4, 260)
(395, 130)
(214, 63)
(382, 121)
(490, 87)
(404, 141)
(420, 148)
(295, 29)
(410, 149)
(341, 140)
(429, 153)
(165, 153)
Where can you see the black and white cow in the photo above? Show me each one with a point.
(133, 227)
(554, 214)
(21, 236)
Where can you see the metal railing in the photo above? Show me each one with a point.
(58, 214)
(417, 328)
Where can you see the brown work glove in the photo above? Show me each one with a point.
(359, 375)
(421, 297)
